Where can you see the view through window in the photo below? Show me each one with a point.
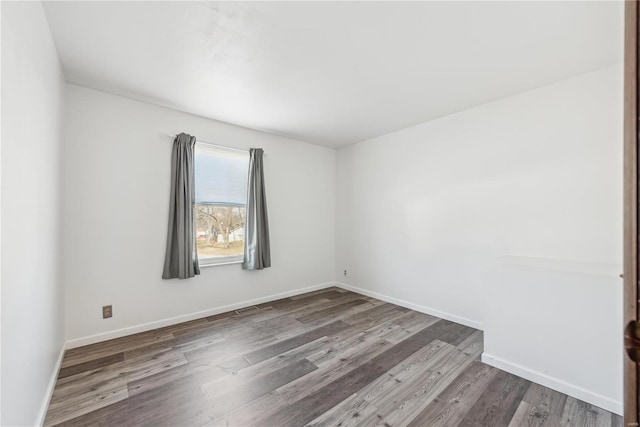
(221, 199)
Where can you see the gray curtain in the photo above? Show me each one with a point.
(257, 254)
(181, 259)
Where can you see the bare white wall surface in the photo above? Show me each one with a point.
(117, 167)
(423, 212)
(539, 312)
(32, 293)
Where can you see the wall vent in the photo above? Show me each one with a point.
(242, 310)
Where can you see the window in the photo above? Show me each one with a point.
(221, 199)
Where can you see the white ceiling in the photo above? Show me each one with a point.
(331, 73)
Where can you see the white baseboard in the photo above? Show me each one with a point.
(144, 327)
(421, 308)
(596, 399)
(50, 387)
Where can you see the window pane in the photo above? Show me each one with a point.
(221, 175)
(219, 231)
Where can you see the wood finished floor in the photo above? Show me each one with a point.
(326, 358)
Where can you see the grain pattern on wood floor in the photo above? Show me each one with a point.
(325, 358)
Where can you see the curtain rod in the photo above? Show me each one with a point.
(216, 145)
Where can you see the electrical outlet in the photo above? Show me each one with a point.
(107, 311)
(345, 273)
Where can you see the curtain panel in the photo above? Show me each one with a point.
(181, 258)
(257, 253)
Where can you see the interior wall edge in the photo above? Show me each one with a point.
(541, 378)
(144, 327)
(416, 307)
(42, 413)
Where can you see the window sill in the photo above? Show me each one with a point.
(216, 264)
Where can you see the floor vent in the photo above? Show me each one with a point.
(242, 310)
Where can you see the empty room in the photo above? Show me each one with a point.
(228, 213)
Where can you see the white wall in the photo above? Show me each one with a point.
(559, 324)
(32, 294)
(422, 212)
(117, 166)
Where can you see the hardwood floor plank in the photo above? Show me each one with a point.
(338, 362)
(285, 305)
(116, 374)
(352, 345)
(145, 384)
(600, 417)
(280, 326)
(421, 389)
(215, 370)
(248, 312)
(232, 347)
(228, 396)
(324, 292)
(347, 413)
(296, 300)
(530, 416)
(365, 405)
(230, 327)
(281, 360)
(341, 354)
(299, 309)
(108, 416)
(64, 397)
(250, 413)
(288, 305)
(286, 345)
(172, 403)
(498, 403)
(347, 352)
(199, 343)
(407, 325)
(372, 316)
(157, 347)
(91, 365)
(79, 355)
(576, 412)
(474, 344)
(330, 312)
(207, 332)
(315, 404)
(616, 420)
(457, 334)
(545, 401)
(170, 329)
(406, 374)
(84, 405)
(451, 406)
(332, 368)
(236, 394)
(205, 370)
